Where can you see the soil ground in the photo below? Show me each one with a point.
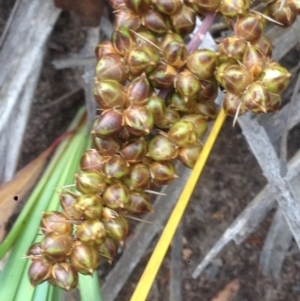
(229, 182)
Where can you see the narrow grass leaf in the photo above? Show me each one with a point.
(89, 288)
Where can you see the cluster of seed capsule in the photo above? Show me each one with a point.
(155, 101)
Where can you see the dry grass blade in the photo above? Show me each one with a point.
(228, 292)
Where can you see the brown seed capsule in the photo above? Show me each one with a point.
(65, 276)
(156, 22)
(112, 67)
(91, 232)
(183, 133)
(127, 18)
(157, 107)
(56, 246)
(92, 160)
(236, 78)
(188, 156)
(117, 228)
(122, 39)
(275, 78)
(84, 258)
(117, 4)
(116, 167)
(131, 132)
(108, 146)
(249, 27)
(256, 97)
(109, 94)
(139, 118)
(265, 45)
(254, 60)
(208, 109)
(199, 122)
(171, 116)
(219, 74)
(39, 271)
(282, 12)
(89, 205)
(108, 123)
(134, 151)
(232, 47)
(145, 38)
(34, 252)
(138, 178)
(54, 221)
(204, 6)
(162, 173)
(161, 149)
(295, 4)
(202, 63)
(162, 77)
(116, 196)
(274, 102)
(167, 7)
(142, 59)
(89, 182)
(67, 202)
(235, 8)
(108, 249)
(139, 203)
(180, 103)
(139, 7)
(232, 105)
(174, 50)
(187, 84)
(108, 214)
(208, 91)
(139, 90)
(105, 48)
(184, 21)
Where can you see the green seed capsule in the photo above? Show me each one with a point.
(139, 118)
(183, 134)
(91, 232)
(116, 167)
(208, 91)
(171, 116)
(156, 106)
(180, 103)
(188, 156)
(89, 182)
(56, 246)
(34, 252)
(108, 214)
(139, 90)
(274, 102)
(249, 27)
(39, 271)
(202, 63)
(207, 109)
(138, 178)
(116, 196)
(233, 9)
(65, 276)
(199, 122)
(265, 45)
(204, 6)
(162, 77)
(84, 258)
(162, 173)
(110, 122)
(232, 47)
(145, 38)
(184, 21)
(162, 149)
(117, 228)
(139, 7)
(187, 84)
(108, 249)
(232, 105)
(134, 151)
(103, 49)
(92, 161)
(112, 67)
(67, 202)
(109, 94)
(123, 40)
(89, 205)
(127, 18)
(108, 146)
(54, 221)
(139, 203)
(167, 7)
(156, 22)
(275, 78)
